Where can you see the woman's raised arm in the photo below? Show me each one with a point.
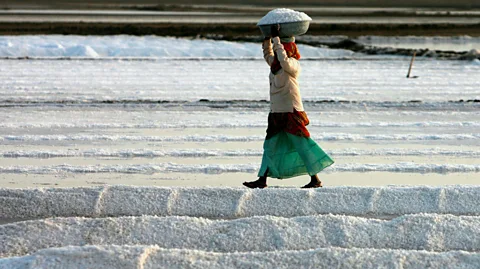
(267, 51)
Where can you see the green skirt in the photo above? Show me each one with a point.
(287, 155)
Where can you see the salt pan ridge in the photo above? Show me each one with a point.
(262, 233)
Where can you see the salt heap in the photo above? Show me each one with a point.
(283, 15)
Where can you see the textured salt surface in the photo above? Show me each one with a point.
(283, 15)
(263, 233)
(127, 257)
(150, 227)
(236, 202)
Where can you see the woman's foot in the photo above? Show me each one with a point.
(259, 183)
(314, 183)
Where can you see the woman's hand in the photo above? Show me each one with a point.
(275, 30)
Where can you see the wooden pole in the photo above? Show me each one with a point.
(411, 64)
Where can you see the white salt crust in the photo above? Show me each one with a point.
(148, 257)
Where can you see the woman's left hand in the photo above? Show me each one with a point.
(275, 30)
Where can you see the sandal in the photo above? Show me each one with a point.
(255, 185)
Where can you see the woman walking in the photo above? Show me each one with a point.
(288, 149)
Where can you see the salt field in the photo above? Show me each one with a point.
(130, 153)
(110, 109)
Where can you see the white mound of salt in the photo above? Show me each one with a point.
(283, 15)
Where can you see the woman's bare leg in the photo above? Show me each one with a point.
(314, 182)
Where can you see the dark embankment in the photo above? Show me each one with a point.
(231, 30)
(75, 4)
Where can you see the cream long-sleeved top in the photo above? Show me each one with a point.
(284, 90)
